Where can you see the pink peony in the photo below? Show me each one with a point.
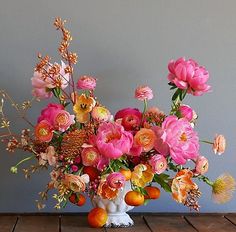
(49, 112)
(112, 140)
(186, 112)
(201, 165)
(63, 120)
(86, 83)
(143, 93)
(116, 180)
(187, 74)
(40, 89)
(158, 163)
(130, 118)
(181, 139)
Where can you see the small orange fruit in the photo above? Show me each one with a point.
(153, 192)
(126, 173)
(81, 200)
(73, 198)
(92, 172)
(97, 217)
(134, 198)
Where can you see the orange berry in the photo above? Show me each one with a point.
(134, 198)
(92, 172)
(126, 173)
(153, 192)
(97, 217)
(81, 200)
(73, 198)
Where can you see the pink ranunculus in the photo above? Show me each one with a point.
(182, 140)
(187, 74)
(186, 112)
(63, 120)
(116, 180)
(112, 140)
(201, 166)
(49, 112)
(158, 163)
(40, 89)
(86, 83)
(143, 93)
(130, 118)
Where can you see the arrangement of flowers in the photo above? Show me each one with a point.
(91, 152)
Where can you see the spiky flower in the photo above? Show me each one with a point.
(223, 188)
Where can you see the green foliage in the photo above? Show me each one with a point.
(163, 180)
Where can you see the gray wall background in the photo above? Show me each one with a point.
(124, 43)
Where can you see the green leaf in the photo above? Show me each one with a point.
(176, 94)
(163, 180)
(146, 201)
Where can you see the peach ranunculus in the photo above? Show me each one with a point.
(181, 185)
(143, 92)
(63, 120)
(112, 140)
(219, 144)
(43, 131)
(83, 107)
(145, 138)
(76, 183)
(101, 114)
(201, 166)
(86, 83)
(142, 175)
(49, 156)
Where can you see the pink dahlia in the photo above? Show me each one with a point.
(187, 74)
(143, 93)
(112, 140)
(130, 118)
(86, 83)
(179, 136)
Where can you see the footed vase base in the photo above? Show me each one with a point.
(119, 220)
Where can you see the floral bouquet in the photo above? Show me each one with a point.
(128, 156)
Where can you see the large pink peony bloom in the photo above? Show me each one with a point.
(113, 141)
(177, 136)
(49, 112)
(187, 74)
(130, 118)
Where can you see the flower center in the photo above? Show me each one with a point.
(183, 137)
(43, 131)
(62, 119)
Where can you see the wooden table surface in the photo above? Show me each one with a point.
(143, 223)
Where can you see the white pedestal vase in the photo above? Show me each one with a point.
(116, 208)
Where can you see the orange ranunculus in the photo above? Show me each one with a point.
(142, 175)
(145, 138)
(182, 184)
(106, 192)
(75, 182)
(83, 106)
(43, 131)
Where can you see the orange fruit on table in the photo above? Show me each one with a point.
(92, 172)
(153, 192)
(73, 198)
(81, 200)
(97, 217)
(134, 198)
(126, 173)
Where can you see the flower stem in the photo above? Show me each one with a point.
(206, 180)
(205, 141)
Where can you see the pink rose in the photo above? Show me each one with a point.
(63, 120)
(112, 140)
(201, 166)
(130, 118)
(143, 93)
(187, 74)
(116, 180)
(158, 163)
(86, 83)
(49, 112)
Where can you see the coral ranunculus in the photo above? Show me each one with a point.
(130, 118)
(112, 140)
(43, 131)
(182, 140)
(63, 120)
(90, 156)
(187, 74)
